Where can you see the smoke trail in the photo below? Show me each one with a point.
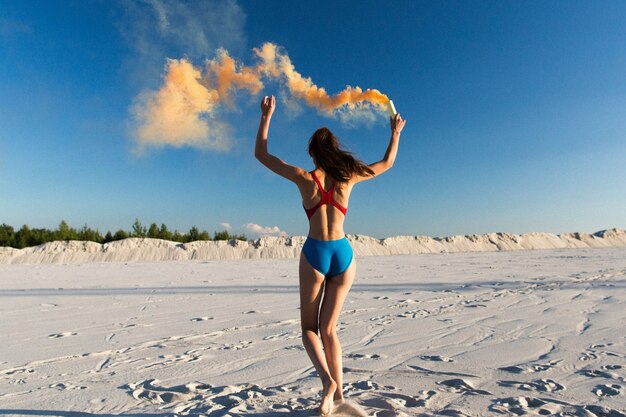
(223, 75)
(275, 64)
(183, 111)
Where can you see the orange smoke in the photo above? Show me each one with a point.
(182, 111)
(276, 65)
(171, 116)
(223, 75)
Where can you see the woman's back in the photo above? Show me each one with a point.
(326, 220)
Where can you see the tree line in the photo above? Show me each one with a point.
(25, 236)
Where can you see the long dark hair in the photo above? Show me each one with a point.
(325, 150)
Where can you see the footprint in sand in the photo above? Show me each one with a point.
(198, 398)
(600, 411)
(283, 336)
(18, 371)
(520, 406)
(236, 346)
(361, 356)
(542, 385)
(168, 360)
(382, 320)
(64, 334)
(62, 387)
(294, 347)
(459, 385)
(435, 358)
(387, 404)
(202, 318)
(453, 413)
(607, 390)
(362, 386)
(594, 373)
(588, 356)
(547, 407)
(537, 367)
(415, 314)
(408, 401)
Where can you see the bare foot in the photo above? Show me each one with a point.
(326, 407)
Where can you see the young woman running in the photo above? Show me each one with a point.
(326, 264)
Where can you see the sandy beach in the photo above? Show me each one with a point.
(538, 332)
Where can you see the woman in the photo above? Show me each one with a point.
(326, 263)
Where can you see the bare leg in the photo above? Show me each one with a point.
(311, 285)
(335, 294)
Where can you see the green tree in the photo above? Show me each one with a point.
(108, 237)
(164, 233)
(64, 231)
(178, 237)
(39, 236)
(120, 234)
(221, 235)
(89, 234)
(7, 235)
(138, 229)
(22, 237)
(153, 231)
(193, 234)
(224, 235)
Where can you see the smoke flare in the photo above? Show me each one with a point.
(183, 111)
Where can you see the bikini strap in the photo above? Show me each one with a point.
(317, 181)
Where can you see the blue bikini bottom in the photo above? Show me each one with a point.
(329, 257)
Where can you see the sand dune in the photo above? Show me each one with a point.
(149, 250)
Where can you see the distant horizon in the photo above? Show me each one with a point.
(515, 114)
(234, 236)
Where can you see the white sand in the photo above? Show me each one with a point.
(149, 250)
(458, 334)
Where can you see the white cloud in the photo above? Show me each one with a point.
(226, 226)
(264, 230)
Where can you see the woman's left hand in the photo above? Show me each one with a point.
(268, 104)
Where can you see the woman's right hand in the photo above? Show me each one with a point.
(397, 124)
(268, 104)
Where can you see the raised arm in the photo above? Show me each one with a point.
(397, 124)
(292, 173)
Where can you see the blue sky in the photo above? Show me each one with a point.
(515, 114)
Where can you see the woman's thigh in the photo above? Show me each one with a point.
(335, 294)
(311, 288)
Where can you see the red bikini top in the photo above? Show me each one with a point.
(327, 198)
